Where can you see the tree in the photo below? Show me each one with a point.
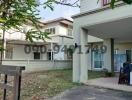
(15, 13)
(125, 1)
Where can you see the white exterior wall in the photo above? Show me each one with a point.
(19, 54)
(87, 5)
(122, 47)
(41, 65)
(92, 39)
(15, 35)
(62, 30)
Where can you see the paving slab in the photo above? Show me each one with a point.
(110, 83)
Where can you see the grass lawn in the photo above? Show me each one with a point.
(46, 84)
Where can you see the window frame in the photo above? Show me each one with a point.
(37, 58)
(51, 30)
(70, 32)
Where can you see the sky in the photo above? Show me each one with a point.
(59, 11)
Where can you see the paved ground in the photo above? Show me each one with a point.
(110, 83)
(93, 93)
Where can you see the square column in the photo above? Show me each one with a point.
(109, 55)
(84, 56)
(76, 56)
(80, 60)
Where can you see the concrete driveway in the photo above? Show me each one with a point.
(93, 93)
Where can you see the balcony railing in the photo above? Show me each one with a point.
(107, 2)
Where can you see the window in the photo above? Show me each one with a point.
(129, 55)
(98, 60)
(70, 32)
(116, 51)
(36, 55)
(9, 53)
(49, 57)
(50, 30)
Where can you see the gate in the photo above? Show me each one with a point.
(15, 72)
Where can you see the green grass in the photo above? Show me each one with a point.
(46, 84)
(95, 74)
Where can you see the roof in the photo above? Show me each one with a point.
(60, 20)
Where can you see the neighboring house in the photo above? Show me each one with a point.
(18, 50)
(99, 25)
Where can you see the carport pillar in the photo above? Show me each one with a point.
(109, 55)
(83, 56)
(80, 60)
(76, 56)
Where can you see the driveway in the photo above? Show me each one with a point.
(93, 93)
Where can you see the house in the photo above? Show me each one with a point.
(40, 53)
(105, 37)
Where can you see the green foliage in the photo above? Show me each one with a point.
(15, 13)
(112, 4)
(126, 1)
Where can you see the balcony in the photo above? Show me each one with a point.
(107, 2)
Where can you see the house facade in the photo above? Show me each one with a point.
(43, 54)
(104, 35)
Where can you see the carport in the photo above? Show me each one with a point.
(113, 26)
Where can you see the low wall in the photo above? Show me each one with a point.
(40, 65)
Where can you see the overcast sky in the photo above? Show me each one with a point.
(59, 11)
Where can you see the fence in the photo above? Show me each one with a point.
(14, 71)
(40, 65)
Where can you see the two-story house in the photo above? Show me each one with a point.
(105, 36)
(18, 51)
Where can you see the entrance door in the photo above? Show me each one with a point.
(129, 55)
(98, 60)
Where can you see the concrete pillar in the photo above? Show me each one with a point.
(52, 58)
(84, 56)
(4, 52)
(109, 55)
(76, 56)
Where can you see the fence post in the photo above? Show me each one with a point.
(16, 72)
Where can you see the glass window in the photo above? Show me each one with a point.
(129, 55)
(70, 32)
(50, 30)
(47, 30)
(9, 53)
(36, 55)
(49, 56)
(98, 60)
